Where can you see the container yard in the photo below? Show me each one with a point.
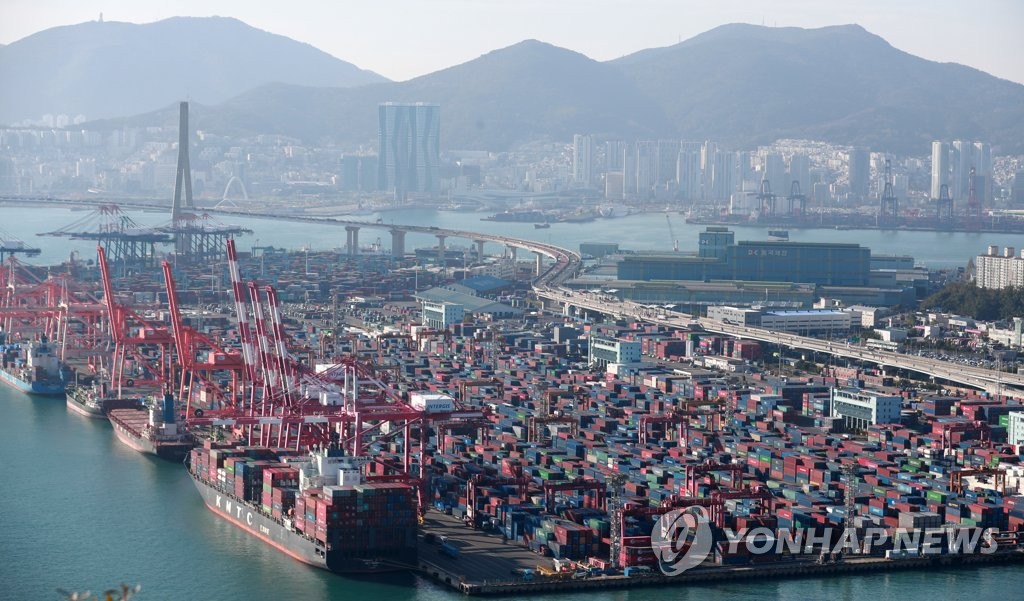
(503, 455)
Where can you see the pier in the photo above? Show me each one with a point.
(487, 567)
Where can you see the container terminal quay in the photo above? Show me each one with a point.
(501, 435)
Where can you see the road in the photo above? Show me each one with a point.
(993, 381)
(482, 556)
(566, 263)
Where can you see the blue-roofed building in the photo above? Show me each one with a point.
(485, 285)
(442, 307)
(771, 273)
(824, 264)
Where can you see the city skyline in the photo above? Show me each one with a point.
(428, 39)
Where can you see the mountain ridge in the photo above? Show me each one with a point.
(109, 69)
(738, 84)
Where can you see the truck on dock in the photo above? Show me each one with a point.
(449, 550)
(552, 572)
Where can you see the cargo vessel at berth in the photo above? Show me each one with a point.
(152, 430)
(314, 507)
(94, 401)
(33, 368)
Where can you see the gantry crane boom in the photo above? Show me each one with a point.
(671, 233)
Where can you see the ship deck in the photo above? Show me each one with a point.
(132, 419)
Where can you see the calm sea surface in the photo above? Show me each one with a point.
(647, 231)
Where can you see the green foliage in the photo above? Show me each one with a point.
(979, 303)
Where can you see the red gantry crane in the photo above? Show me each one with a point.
(291, 405)
(136, 338)
(201, 360)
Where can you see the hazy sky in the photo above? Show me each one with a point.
(402, 39)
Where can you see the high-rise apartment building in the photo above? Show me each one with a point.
(773, 169)
(940, 167)
(982, 163)
(582, 160)
(668, 156)
(1017, 196)
(409, 148)
(995, 270)
(646, 167)
(722, 175)
(859, 173)
(688, 172)
(799, 171)
(963, 160)
(613, 153)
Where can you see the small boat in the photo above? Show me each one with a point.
(542, 226)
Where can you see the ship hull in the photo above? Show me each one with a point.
(98, 410)
(292, 543)
(32, 388)
(171, 451)
(90, 411)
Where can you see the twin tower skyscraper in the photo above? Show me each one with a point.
(953, 166)
(409, 148)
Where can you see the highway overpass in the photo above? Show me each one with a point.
(565, 264)
(993, 381)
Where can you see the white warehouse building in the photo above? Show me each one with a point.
(862, 408)
(612, 350)
(1015, 430)
(808, 322)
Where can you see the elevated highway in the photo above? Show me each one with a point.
(992, 381)
(565, 264)
(565, 261)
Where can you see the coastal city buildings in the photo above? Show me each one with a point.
(583, 160)
(859, 171)
(940, 168)
(999, 270)
(405, 158)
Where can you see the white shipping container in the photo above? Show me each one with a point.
(431, 402)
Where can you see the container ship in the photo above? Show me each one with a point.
(314, 507)
(33, 368)
(152, 430)
(519, 216)
(94, 401)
